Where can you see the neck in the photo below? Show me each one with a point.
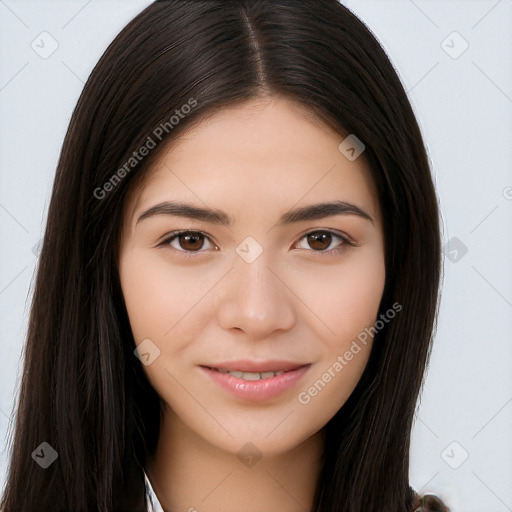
(190, 474)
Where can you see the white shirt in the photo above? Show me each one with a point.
(153, 503)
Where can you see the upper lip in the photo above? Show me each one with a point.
(256, 366)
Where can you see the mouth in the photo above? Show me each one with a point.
(256, 370)
(256, 381)
(249, 375)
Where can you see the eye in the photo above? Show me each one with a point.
(190, 242)
(321, 240)
(187, 241)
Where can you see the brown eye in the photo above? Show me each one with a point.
(319, 240)
(187, 241)
(191, 242)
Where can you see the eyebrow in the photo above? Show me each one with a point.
(311, 212)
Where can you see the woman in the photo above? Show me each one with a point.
(267, 371)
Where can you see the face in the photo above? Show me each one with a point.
(246, 318)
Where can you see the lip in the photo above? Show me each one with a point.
(256, 390)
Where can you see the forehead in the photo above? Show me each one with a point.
(264, 151)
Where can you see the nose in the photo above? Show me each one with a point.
(256, 300)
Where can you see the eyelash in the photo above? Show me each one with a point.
(191, 254)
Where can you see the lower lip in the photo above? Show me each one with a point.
(256, 390)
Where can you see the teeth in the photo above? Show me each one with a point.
(247, 375)
(252, 375)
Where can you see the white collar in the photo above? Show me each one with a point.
(153, 503)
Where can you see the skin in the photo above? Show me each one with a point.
(255, 161)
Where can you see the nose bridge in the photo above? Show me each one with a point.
(255, 301)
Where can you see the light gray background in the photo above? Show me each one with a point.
(464, 105)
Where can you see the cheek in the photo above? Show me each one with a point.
(152, 296)
(155, 307)
(345, 298)
(349, 304)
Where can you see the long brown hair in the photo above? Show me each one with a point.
(83, 392)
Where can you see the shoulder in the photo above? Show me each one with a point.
(429, 503)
